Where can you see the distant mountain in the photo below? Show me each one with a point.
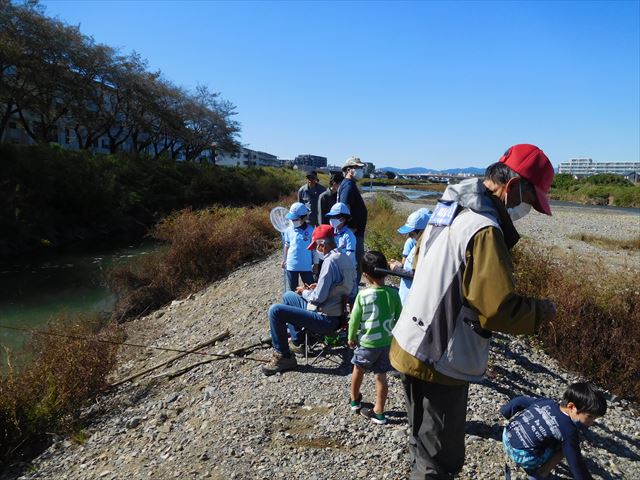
(450, 171)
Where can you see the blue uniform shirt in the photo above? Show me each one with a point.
(299, 259)
(408, 252)
(346, 242)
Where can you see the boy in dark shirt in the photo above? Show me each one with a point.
(541, 431)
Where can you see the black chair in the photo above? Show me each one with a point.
(328, 344)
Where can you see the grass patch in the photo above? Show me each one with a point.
(598, 323)
(45, 396)
(609, 243)
(603, 189)
(202, 246)
(382, 225)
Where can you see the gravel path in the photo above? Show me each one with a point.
(225, 420)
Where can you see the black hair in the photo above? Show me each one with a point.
(336, 178)
(499, 173)
(586, 398)
(371, 260)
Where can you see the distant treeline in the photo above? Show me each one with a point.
(53, 197)
(52, 76)
(602, 189)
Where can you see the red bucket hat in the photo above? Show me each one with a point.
(320, 233)
(533, 165)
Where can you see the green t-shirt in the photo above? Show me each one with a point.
(374, 314)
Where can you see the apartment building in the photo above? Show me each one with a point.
(583, 167)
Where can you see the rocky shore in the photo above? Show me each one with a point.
(226, 420)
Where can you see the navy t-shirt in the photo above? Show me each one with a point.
(540, 424)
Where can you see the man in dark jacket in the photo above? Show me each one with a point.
(328, 198)
(349, 194)
(309, 194)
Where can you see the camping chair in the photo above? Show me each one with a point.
(328, 343)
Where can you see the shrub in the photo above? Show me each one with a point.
(597, 325)
(382, 225)
(201, 247)
(44, 396)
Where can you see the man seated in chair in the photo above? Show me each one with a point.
(318, 307)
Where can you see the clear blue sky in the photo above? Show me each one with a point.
(433, 84)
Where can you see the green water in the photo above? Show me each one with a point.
(33, 292)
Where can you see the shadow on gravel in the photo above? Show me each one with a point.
(611, 446)
(482, 430)
(503, 348)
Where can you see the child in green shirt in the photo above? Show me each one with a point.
(375, 312)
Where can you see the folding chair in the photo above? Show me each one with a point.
(328, 343)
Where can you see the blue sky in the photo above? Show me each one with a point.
(433, 84)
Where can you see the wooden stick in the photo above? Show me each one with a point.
(200, 346)
(183, 370)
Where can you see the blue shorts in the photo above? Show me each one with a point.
(530, 461)
(375, 360)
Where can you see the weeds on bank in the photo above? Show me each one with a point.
(45, 396)
(202, 246)
(596, 330)
(609, 243)
(382, 225)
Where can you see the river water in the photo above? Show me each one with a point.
(34, 291)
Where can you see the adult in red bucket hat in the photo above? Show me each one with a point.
(463, 290)
(317, 308)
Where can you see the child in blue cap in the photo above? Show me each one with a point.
(413, 228)
(297, 260)
(339, 216)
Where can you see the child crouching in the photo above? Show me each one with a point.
(541, 431)
(375, 312)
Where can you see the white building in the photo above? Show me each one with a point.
(247, 158)
(585, 166)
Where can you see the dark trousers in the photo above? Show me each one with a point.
(359, 255)
(436, 415)
(292, 278)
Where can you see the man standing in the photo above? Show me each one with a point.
(328, 198)
(309, 194)
(462, 291)
(349, 194)
(318, 307)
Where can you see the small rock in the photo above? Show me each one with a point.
(133, 422)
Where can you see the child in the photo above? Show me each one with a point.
(338, 217)
(374, 314)
(541, 432)
(416, 223)
(298, 261)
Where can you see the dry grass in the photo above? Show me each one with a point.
(382, 225)
(597, 326)
(45, 396)
(202, 246)
(609, 243)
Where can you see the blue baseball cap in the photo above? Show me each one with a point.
(339, 209)
(416, 221)
(296, 211)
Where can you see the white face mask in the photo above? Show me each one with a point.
(335, 223)
(358, 173)
(519, 211)
(296, 223)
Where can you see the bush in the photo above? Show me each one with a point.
(201, 247)
(597, 325)
(382, 225)
(45, 395)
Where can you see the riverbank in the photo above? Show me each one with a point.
(226, 420)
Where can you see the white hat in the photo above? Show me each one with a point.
(416, 221)
(296, 211)
(353, 162)
(339, 209)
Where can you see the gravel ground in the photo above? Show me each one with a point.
(225, 420)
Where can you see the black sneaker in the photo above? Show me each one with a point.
(356, 405)
(377, 418)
